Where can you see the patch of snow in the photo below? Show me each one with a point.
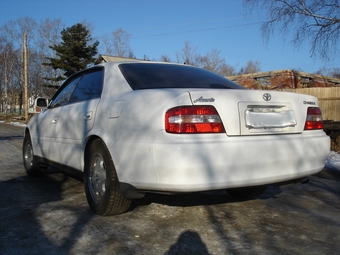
(14, 123)
(333, 160)
(18, 124)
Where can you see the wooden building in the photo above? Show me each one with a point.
(283, 79)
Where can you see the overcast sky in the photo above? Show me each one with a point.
(160, 27)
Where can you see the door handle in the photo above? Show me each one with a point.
(88, 116)
(54, 120)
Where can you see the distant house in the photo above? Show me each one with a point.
(283, 79)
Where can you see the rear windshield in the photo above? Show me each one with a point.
(155, 76)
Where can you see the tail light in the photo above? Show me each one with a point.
(314, 119)
(192, 120)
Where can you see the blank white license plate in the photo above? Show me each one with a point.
(269, 119)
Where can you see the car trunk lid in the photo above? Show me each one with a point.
(249, 112)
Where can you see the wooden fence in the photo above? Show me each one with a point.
(329, 100)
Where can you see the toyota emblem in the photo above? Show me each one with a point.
(266, 97)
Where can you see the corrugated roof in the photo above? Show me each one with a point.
(107, 58)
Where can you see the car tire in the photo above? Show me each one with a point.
(101, 182)
(247, 193)
(28, 158)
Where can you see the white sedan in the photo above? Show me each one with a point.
(129, 128)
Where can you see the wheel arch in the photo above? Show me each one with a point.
(88, 142)
(108, 199)
(27, 131)
(128, 191)
(31, 164)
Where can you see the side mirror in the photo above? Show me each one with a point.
(41, 102)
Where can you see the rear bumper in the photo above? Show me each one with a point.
(188, 163)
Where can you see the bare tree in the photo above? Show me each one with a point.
(15, 29)
(226, 70)
(48, 34)
(250, 67)
(317, 21)
(212, 61)
(335, 72)
(165, 58)
(118, 44)
(107, 44)
(12, 33)
(188, 55)
(332, 72)
(8, 62)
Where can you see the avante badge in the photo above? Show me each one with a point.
(204, 100)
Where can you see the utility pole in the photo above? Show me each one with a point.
(25, 79)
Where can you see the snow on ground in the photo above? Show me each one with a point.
(14, 123)
(332, 161)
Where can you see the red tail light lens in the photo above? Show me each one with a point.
(192, 120)
(314, 119)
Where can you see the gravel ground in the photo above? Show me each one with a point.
(50, 215)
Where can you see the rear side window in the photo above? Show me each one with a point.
(89, 87)
(154, 76)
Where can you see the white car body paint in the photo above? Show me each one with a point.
(131, 124)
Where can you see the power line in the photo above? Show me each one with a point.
(198, 30)
(185, 24)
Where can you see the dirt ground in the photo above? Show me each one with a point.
(50, 215)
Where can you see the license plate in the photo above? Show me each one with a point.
(264, 118)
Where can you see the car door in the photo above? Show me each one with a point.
(77, 117)
(44, 129)
(43, 134)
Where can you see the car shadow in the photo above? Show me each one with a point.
(329, 174)
(26, 205)
(13, 137)
(197, 198)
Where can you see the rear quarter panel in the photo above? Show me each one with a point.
(128, 122)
